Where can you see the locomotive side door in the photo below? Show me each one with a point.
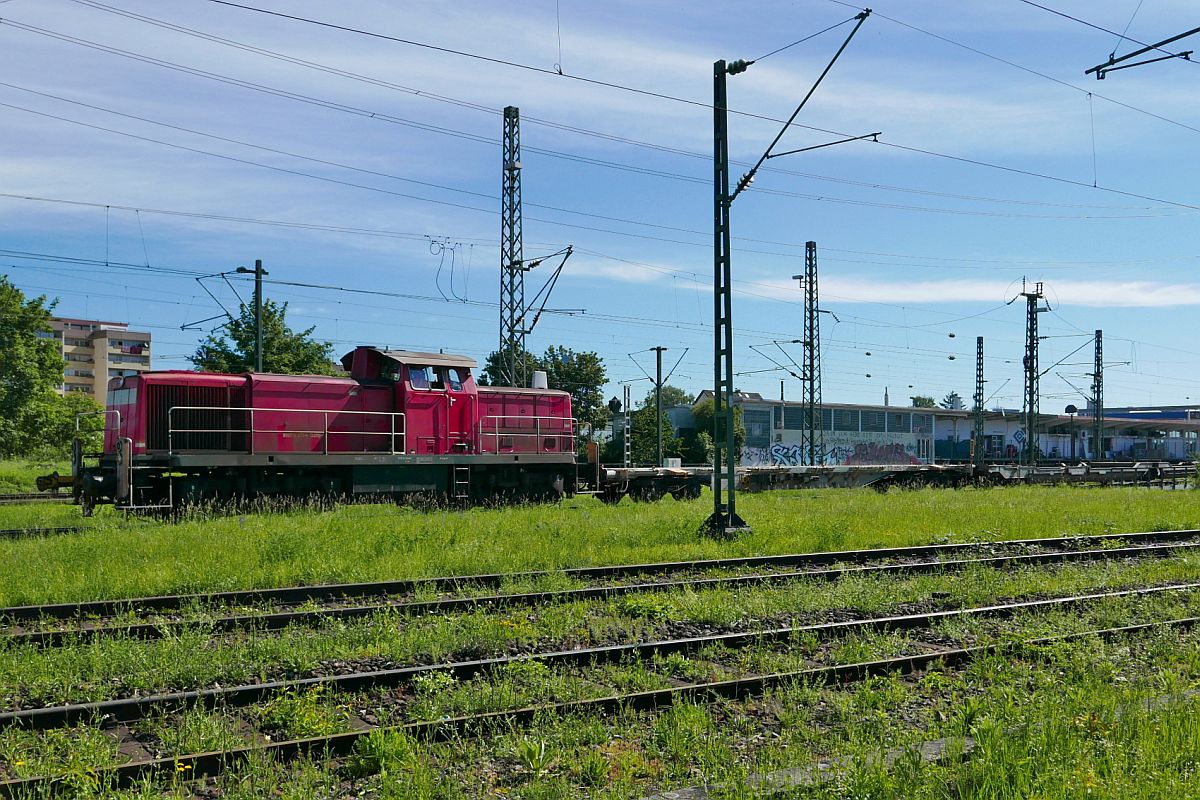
(460, 412)
(426, 410)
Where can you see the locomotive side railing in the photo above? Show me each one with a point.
(395, 432)
(559, 430)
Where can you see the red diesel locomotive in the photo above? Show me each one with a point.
(402, 423)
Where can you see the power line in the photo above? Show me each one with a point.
(957, 262)
(427, 95)
(330, 105)
(1023, 68)
(661, 96)
(1120, 36)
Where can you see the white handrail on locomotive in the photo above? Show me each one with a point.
(567, 431)
(324, 433)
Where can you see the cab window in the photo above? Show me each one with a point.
(389, 371)
(425, 378)
(455, 379)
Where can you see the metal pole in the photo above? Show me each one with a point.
(812, 443)
(979, 401)
(512, 259)
(1098, 399)
(1073, 432)
(258, 331)
(724, 521)
(1032, 374)
(658, 451)
(627, 429)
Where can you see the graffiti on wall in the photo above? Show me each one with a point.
(876, 453)
(844, 449)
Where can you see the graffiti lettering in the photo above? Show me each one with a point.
(844, 449)
(872, 453)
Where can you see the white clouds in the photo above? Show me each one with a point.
(1094, 294)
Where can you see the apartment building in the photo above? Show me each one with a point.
(96, 351)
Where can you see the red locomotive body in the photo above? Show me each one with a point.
(403, 422)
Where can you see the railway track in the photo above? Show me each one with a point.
(342, 743)
(919, 561)
(22, 533)
(34, 497)
(295, 595)
(135, 708)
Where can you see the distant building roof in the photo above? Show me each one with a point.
(755, 397)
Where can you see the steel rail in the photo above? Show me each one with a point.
(210, 764)
(34, 497)
(136, 708)
(282, 619)
(318, 592)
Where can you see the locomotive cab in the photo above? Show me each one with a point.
(435, 392)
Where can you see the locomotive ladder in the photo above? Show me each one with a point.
(462, 482)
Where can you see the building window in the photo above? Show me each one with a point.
(845, 419)
(758, 427)
(795, 419)
(874, 421)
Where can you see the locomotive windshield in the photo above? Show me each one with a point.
(425, 378)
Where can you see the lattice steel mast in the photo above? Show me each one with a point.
(512, 261)
(1098, 398)
(812, 443)
(977, 441)
(1032, 375)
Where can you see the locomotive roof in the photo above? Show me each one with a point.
(431, 359)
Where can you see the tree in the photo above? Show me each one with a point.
(671, 396)
(952, 400)
(643, 439)
(31, 366)
(582, 375)
(56, 423)
(285, 351)
(495, 371)
(923, 401)
(699, 445)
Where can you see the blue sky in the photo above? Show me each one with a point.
(384, 165)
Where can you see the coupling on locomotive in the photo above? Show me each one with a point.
(401, 423)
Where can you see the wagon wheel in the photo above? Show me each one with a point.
(610, 495)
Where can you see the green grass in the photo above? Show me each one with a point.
(1067, 720)
(21, 474)
(358, 543)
